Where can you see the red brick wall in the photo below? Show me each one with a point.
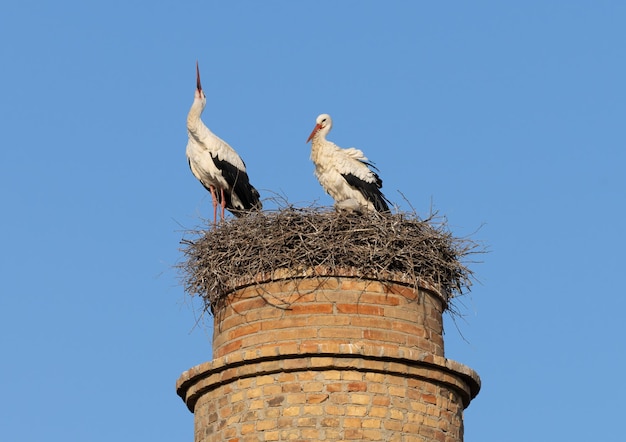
(313, 312)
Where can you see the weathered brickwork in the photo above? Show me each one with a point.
(329, 359)
(317, 311)
(330, 404)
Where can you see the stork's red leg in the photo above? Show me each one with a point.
(214, 198)
(223, 202)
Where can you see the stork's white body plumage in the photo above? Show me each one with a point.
(345, 174)
(216, 165)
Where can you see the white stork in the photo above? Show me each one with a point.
(216, 165)
(345, 174)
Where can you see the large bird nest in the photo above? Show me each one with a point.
(292, 242)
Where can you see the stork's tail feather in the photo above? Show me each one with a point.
(251, 202)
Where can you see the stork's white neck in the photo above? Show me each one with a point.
(321, 147)
(196, 110)
(195, 126)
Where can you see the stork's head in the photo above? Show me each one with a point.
(323, 124)
(199, 92)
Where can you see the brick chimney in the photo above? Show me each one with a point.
(329, 358)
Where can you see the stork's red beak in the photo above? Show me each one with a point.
(315, 129)
(198, 85)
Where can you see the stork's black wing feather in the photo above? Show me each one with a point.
(239, 182)
(370, 191)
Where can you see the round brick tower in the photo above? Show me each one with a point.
(329, 357)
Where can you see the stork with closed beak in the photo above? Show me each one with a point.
(345, 174)
(216, 165)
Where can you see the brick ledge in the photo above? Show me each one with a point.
(204, 377)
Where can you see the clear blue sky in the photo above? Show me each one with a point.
(504, 115)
